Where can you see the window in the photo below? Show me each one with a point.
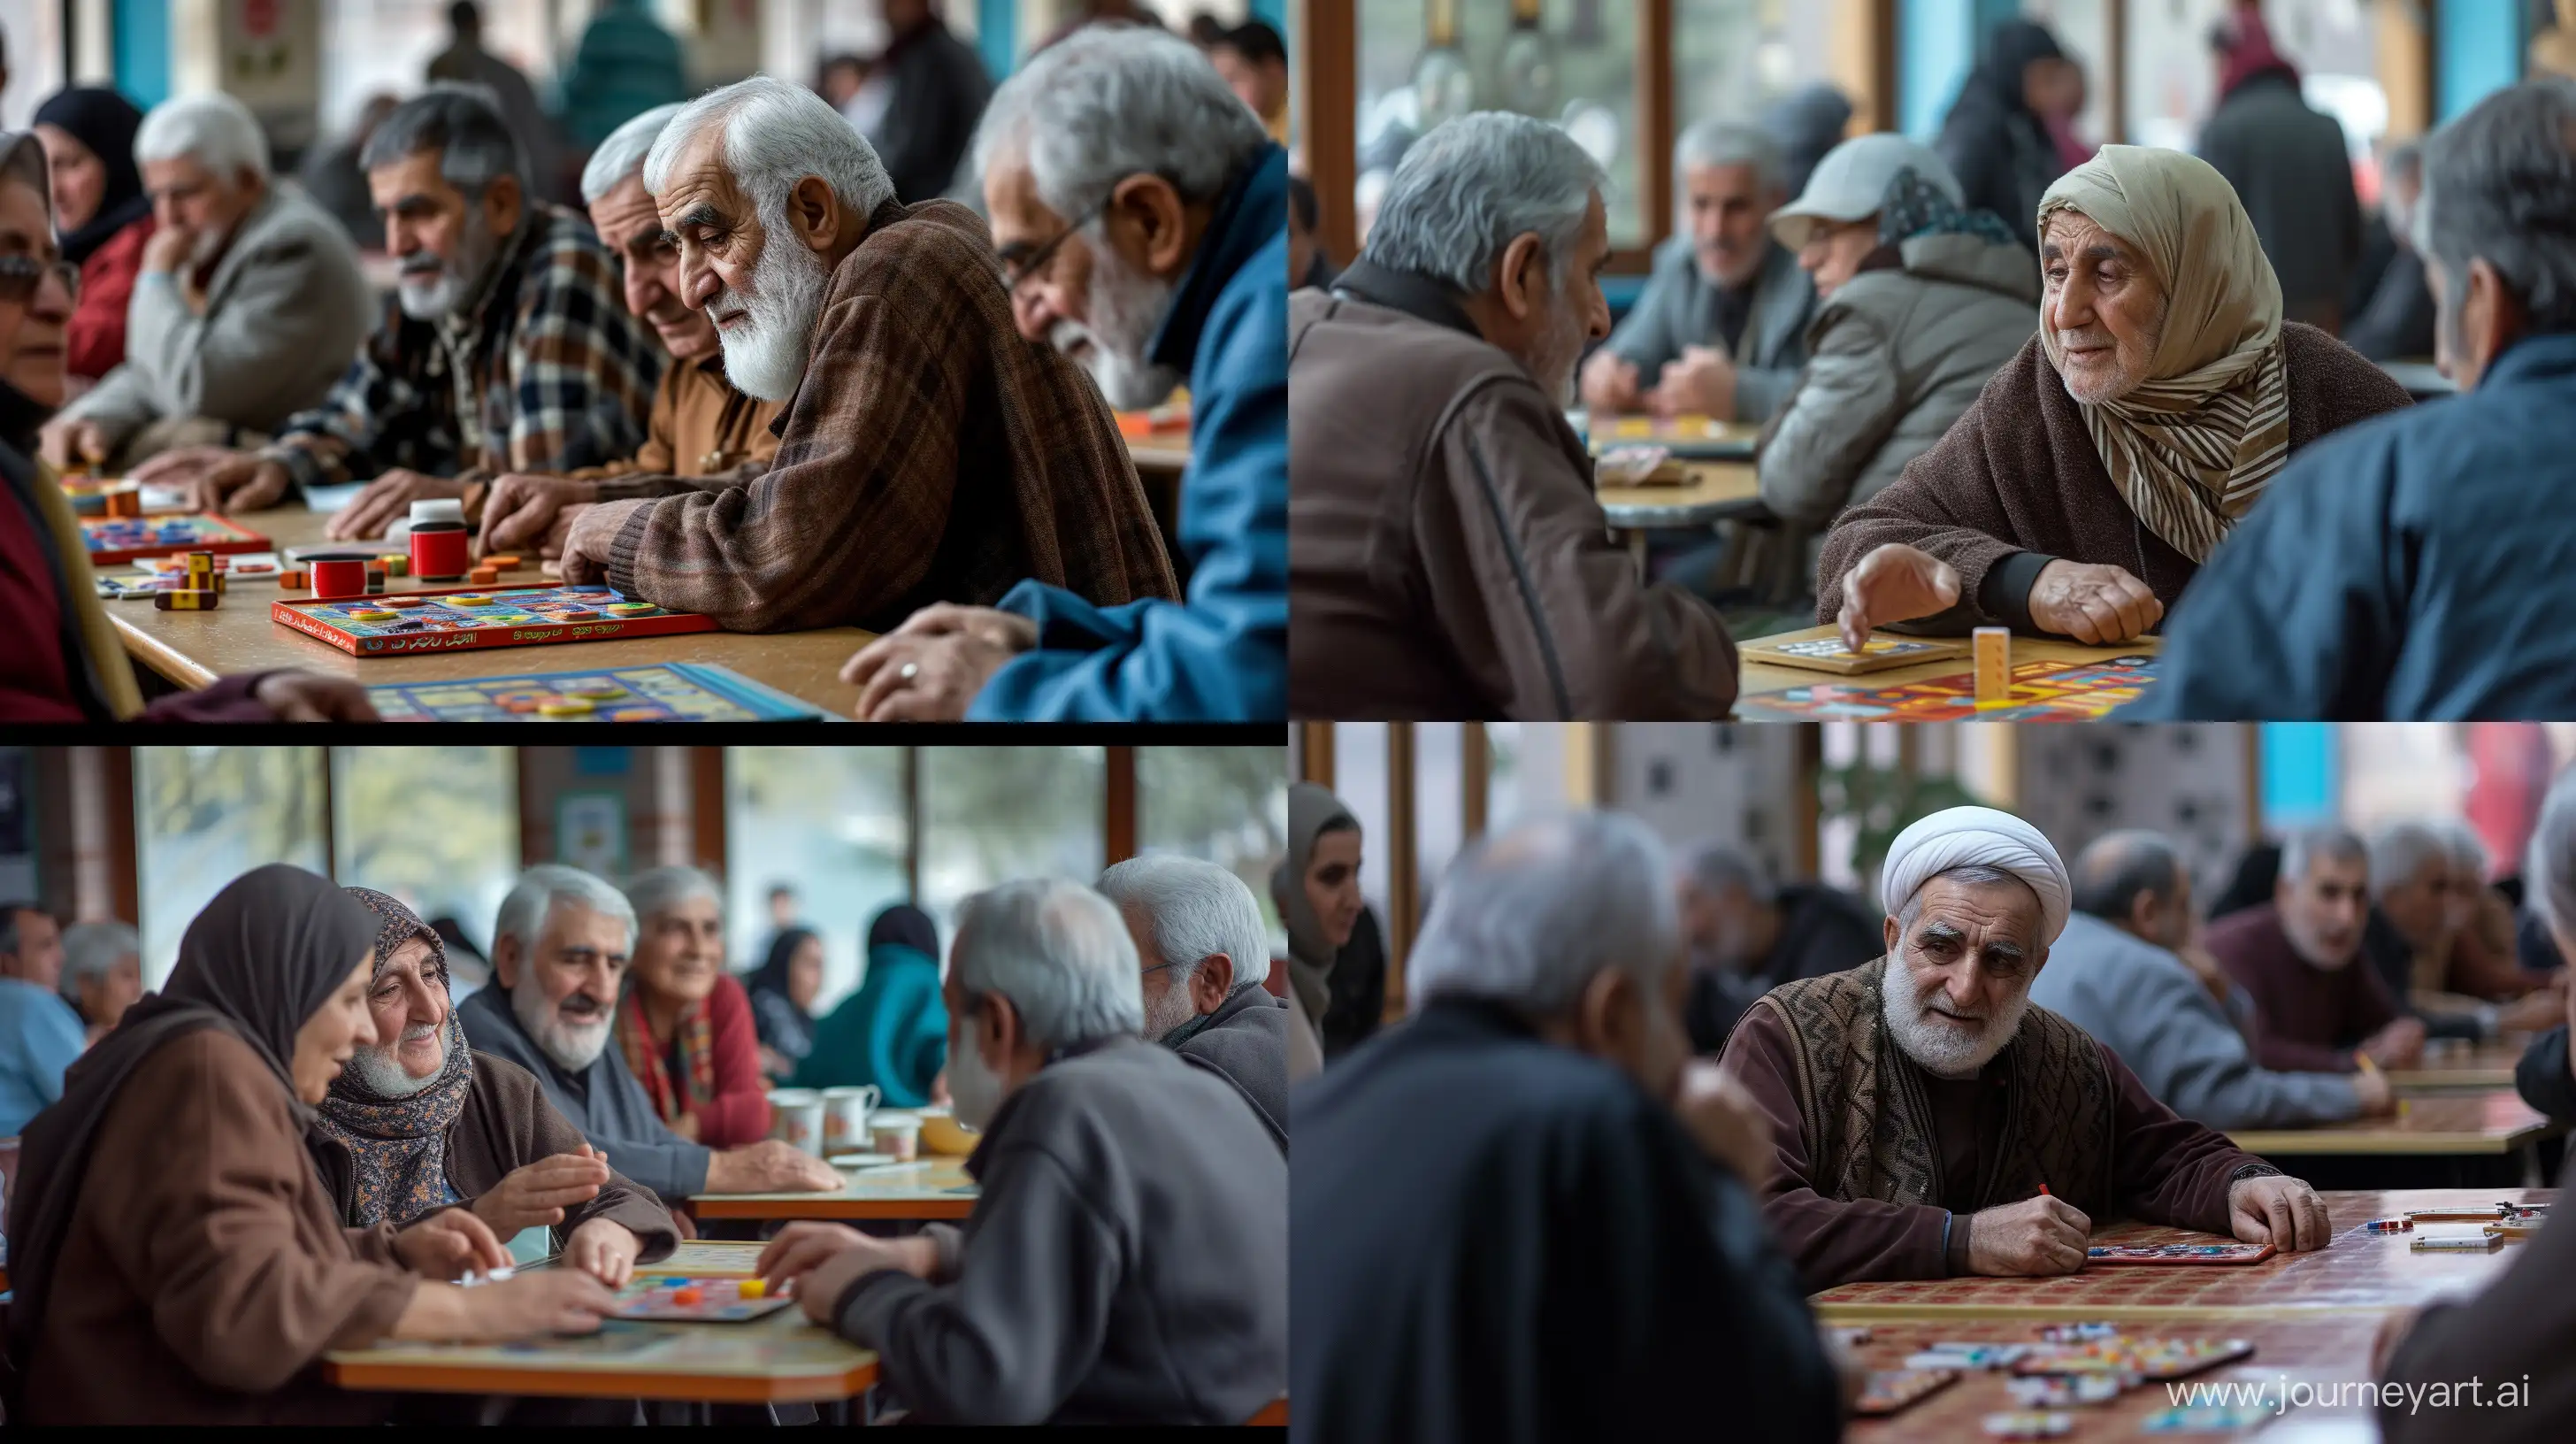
(35, 38)
(437, 827)
(206, 815)
(1439, 812)
(2173, 79)
(989, 814)
(1734, 58)
(1360, 781)
(2083, 27)
(1228, 805)
(828, 821)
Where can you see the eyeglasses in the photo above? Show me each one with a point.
(1015, 277)
(20, 276)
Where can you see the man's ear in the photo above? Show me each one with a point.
(1891, 932)
(1605, 1014)
(1212, 983)
(503, 201)
(505, 962)
(2490, 318)
(2143, 908)
(813, 212)
(1521, 276)
(1150, 209)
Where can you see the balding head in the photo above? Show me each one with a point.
(2135, 881)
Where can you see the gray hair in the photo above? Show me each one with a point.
(2467, 850)
(2500, 186)
(1529, 916)
(2120, 867)
(1974, 874)
(1059, 951)
(2399, 851)
(92, 950)
(1719, 866)
(2330, 840)
(2402, 160)
(1470, 185)
(532, 902)
(2549, 867)
(775, 135)
(1195, 910)
(1716, 142)
(463, 124)
(622, 154)
(1111, 101)
(211, 128)
(664, 888)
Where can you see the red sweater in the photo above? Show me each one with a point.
(94, 339)
(739, 1112)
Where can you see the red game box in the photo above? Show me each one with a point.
(434, 621)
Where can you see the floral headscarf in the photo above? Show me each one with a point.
(400, 1144)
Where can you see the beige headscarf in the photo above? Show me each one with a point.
(2196, 442)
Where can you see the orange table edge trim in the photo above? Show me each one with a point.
(570, 1383)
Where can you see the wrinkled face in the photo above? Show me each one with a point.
(1166, 1006)
(629, 225)
(31, 334)
(1333, 883)
(2103, 310)
(2054, 87)
(188, 197)
(2323, 912)
(1718, 925)
(2468, 893)
(1577, 313)
(79, 176)
(805, 973)
(333, 1034)
(1960, 977)
(104, 997)
(764, 298)
(1090, 298)
(408, 1005)
(1728, 208)
(39, 959)
(2420, 906)
(564, 989)
(681, 951)
(1834, 251)
(441, 240)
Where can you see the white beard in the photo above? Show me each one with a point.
(1126, 309)
(975, 1091)
(1172, 1010)
(446, 294)
(765, 357)
(382, 1074)
(1940, 1049)
(573, 1046)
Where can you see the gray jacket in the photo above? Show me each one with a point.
(1893, 357)
(1245, 1042)
(286, 311)
(603, 1100)
(2150, 1008)
(1679, 308)
(1126, 1262)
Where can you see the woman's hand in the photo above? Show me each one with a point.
(605, 1250)
(535, 1195)
(447, 1244)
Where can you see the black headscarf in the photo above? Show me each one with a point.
(2010, 48)
(903, 923)
(772, 972)
(262, 958)
(105, 122)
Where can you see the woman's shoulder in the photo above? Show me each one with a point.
(2332, 381)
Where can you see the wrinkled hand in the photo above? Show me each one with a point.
(388, 499)
(1721, 1115)
(217, 478)
(523, 509)
(310, 697)
(586, 546)
(2531, 1013)
(449, 1243)
(2043, 1235)
(2096, 605)
(1894, 583)
(69, 441)
(2283, 1212)
(1701, 383)
(951, 652)
(2377, 1098)
(168, 249)
(605, 1250)
(2399, 1045)
(548, 1301)
(1609, 383)
(821, 1261)
(535, 1195)
(773, 1165)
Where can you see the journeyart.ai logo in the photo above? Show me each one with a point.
(2245, 1401)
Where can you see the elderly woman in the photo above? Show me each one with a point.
(102, 973)
(685, 1023)
(174, 1257)
(419, 1122)
(103, 214)
(1317, 888)
(783, 989)
(892, 1032)
(2097, 471)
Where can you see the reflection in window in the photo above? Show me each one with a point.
(1733, 59)
(1360, 781)
(437, 827)
(204, 816)
(827, 821)
(991, 814)
(1228, 805)
(2173, 78)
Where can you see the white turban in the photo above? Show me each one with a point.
(1972, 837)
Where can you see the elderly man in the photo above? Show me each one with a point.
(559, 952)
(249, 304)
(1448, 558)
(102, 973)
(1127, 1259)
(1578, 1253)
(2425, 880)
(507, 308)
(701, 427)
(1205, 951)
(2394, 573)
(2296, 954)
(40, 1035)
(932, 454)
(1180, 274)
(1747, 934)
(1930, 1123)
(2125, 971)
(2100, 467)
(1721, 329)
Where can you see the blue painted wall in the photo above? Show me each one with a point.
(2478, 48)
(2299, 774)
(1273, 11)
(1937, 42)
(141, 46)
(997, 24)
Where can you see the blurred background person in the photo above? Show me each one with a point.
(2289, 166)
(102, 216)
(102, 972)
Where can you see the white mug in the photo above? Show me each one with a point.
(845, 1117)
(796, 1115)
(898, 1134)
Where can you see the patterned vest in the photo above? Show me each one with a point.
(1868, 1118)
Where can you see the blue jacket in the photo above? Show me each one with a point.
(1222, 655)
(40, 1036)
(2411, 567)
(892, 1032)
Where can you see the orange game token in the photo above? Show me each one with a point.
(505, 563)
(634, 714)
(401, 601)
(686, 1298)
(577, 614)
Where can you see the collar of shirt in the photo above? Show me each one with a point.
(1251, 213)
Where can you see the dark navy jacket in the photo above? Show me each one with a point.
(2415, 567)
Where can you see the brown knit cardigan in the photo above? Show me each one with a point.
(2018, 473)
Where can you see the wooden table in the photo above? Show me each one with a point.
(1717, 441)
(192, 649)
(1161, 451)
(935, 1188)
(2477, 1068)
(780, 1359)
(2358, 1270)
(1760, 677)
(2489, 1125)
(2421, 379)
(1716, 490)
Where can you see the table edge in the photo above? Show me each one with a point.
(725, 1206)
(164, 660)
(350, 1371)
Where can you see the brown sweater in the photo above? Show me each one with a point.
(207, 1271)
(2017, 483)
(2310, 1018)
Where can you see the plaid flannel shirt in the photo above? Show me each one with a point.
(547, 373)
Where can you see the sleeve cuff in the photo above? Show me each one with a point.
(860, 1314)
(1954, 1243)
(622, 552)
(951, 1244)
(2005, 594)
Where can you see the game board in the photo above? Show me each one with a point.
(653, 692)
(673, 1300)
(1891, 1391)
(1693, 438)
(450, 619)
(124, 539)
(2177, 1253)
(1826, 654)
(2041, 692)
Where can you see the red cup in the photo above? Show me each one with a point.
(438, 551)
(335, 581)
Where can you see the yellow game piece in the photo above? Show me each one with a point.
(396, 564)
(371, 614)
(469, 599)
(564, 707)
(1994, 664)
(752, 1288)
(600, 693)
(1632, 426)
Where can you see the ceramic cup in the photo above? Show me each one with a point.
(845, 1117)
(897, 1135)
(796, 1114)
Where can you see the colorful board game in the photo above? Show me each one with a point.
(2177, 1253)
(1693, 438)
(2041, 692)
(667, 1299)
(1827, 654)
(1890, 1391)
(397, 624)
(124, 539)
(655, 692)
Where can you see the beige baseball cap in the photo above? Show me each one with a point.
(1851, 183)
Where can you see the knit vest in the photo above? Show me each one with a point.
(1868, 1118)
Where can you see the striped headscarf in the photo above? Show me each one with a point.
(400, 1144)
(2199, 439)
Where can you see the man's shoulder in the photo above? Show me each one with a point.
(2244, 929)
(1381, 345)
(501, 1080)
(489, 1023)
(567, 252)
(933, 244)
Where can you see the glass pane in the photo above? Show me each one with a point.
(1733, 58)
(1503, 786)
(35, 31)
(437, 827)
(2173, 79)
(1228, 805)
(1359, 780)
(990, 814)
(1438, 820)
(2083, 27)
(1577, 67)
(204, 816)
(827, 821)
